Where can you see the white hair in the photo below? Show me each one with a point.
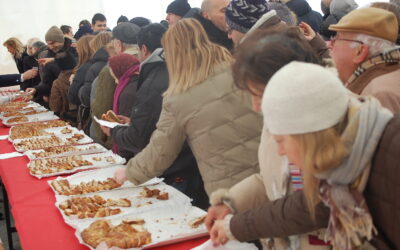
(32, 41)
(375, 45)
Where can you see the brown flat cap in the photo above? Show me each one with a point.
(369, 21)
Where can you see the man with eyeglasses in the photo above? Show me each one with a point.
(366, 56)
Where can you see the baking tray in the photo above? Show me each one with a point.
(100, 174)
(117, 160)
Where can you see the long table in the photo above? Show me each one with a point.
(38, 222)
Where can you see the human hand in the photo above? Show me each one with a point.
(29, 74)
(31, 91)
(106, 130)
(217, 212)
(44, 61)
(124, 119)
(218, 234)
(308, 32)
(120, 175)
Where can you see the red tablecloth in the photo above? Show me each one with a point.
(38, 222)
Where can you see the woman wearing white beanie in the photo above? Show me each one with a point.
(347, 148)
(257, 59)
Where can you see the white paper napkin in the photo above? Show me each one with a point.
(107, 123)
(230, 245)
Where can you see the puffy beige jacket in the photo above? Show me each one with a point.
(270, 184)
(222, 130)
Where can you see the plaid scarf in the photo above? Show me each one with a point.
(378, 65)
(350, 222)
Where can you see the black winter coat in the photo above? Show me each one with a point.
(305, 14)
(77, 83)
(19, 62)
(98, 61)
(214, 33)
(66, 56)
(28, 63)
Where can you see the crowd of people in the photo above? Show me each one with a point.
(280, 121)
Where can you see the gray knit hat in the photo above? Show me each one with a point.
(126, 32)
(54, 34)
(241, 15)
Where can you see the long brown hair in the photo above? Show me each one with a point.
(100, 41)
(190, 56)
(17, 45)
(84, 50)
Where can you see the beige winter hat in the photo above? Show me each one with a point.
(54, 34)
(302, 98)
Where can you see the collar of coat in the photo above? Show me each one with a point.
(383, 63)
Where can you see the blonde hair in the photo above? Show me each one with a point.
(100, 41)
(84, 50)
(16, 44)
(190, 56)
(111, 49)
(321, 151)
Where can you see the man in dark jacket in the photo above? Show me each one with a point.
(305, 14)
(212, 18)
(176, 11)
(153, 81)
(58, 49)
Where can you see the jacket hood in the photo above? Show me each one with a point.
(100, 55)
(156, 56)
(299, 7)
(340, 8)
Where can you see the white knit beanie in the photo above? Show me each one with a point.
(302, 98)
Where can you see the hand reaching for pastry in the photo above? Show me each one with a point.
(44, 61)
(120, 175)
(217, 233)
(216, 212)
(29, 74)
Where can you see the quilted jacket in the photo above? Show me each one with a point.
(217, 121)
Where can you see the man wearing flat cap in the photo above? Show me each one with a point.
(366, 56)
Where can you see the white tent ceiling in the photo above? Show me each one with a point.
(32, 18)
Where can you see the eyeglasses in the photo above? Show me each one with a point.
(335, 38)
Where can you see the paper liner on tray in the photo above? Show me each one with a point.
(30, 104)
(230, 245)
(64, 138)
(78, 150)
(48, 116)
(96, 164)
(167, 224)
(40, 108)
(138, 202)
(100, 174)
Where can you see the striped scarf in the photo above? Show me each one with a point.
(350, 222)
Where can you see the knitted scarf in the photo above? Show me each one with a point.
(350, 222)
(378, 65)
(122, 83)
